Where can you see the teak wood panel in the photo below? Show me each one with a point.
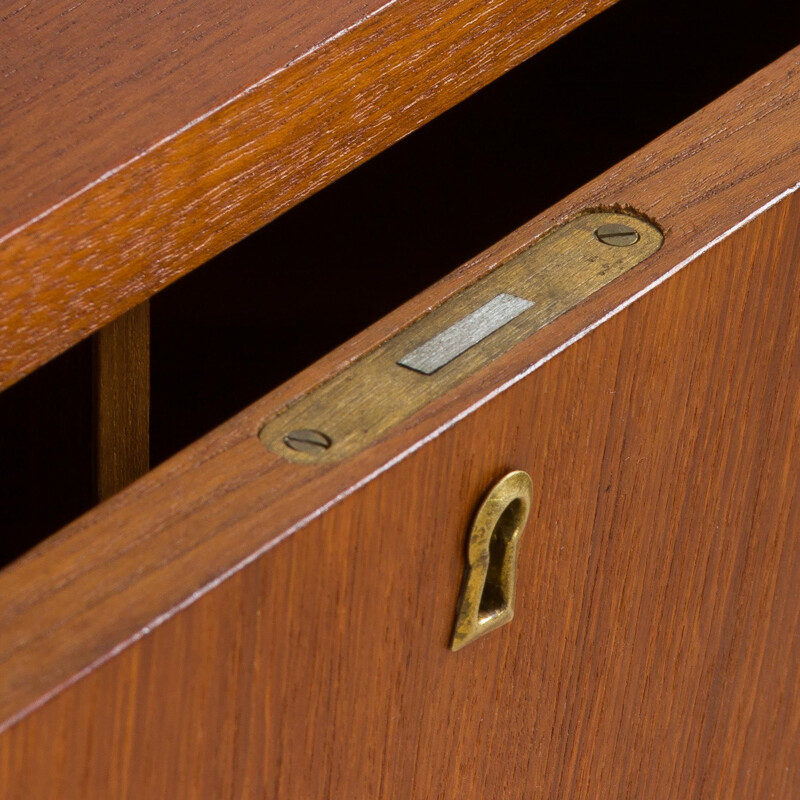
(114, 575)
(654, 651)
(137, 143)
(121, 401)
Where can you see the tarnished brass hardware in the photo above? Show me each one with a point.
(489, 586)
(617, 235)
(465, 333)
(307, 441)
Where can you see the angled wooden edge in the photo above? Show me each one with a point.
(177, 533)
(84, 258)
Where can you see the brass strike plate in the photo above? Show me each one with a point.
(466, 332)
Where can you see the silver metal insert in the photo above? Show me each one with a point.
(465, 333)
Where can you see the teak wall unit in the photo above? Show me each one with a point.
(237, 624)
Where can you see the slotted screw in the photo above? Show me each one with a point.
(307, 441)
(617, 235)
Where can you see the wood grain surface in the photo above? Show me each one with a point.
(121, 401)
(653, 651)
(137, 143)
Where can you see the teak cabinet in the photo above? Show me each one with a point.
(244, 621)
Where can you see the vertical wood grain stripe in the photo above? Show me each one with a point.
(122, 401)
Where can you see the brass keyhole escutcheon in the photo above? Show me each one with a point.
(487, 591)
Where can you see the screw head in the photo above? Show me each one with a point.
(307, 441)
(616, 235)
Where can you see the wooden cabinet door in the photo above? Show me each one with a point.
(236, 625)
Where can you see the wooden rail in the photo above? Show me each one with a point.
(136, 143)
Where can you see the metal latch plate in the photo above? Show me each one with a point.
(363, 402)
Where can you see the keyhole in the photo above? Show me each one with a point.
(494, 599)
(487, 592)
